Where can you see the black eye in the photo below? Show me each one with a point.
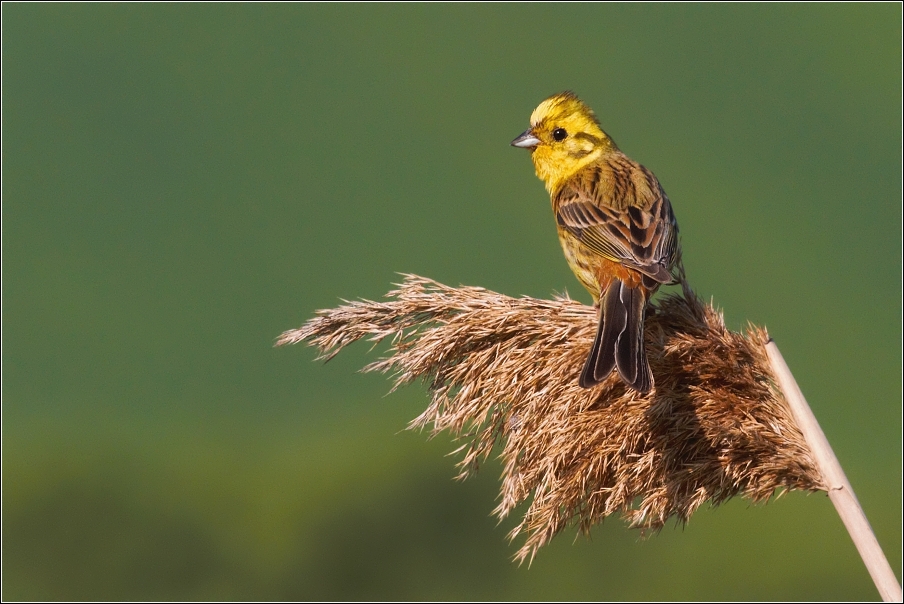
(559, 134)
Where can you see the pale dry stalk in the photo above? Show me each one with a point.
(840, 491)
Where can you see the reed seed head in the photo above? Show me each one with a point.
(503, 372)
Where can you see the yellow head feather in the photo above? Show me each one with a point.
(568, 138)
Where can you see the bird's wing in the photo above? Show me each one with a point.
(644, 239)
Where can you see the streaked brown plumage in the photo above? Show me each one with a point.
(615, 225)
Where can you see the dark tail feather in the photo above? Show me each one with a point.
(630, 356)
(613, 317)
(619, 340)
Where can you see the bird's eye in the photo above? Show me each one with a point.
(559, 134)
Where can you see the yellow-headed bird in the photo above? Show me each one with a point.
(615, 225)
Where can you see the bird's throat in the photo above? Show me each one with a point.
(555, 171)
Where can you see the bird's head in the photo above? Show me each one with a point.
(564, 136)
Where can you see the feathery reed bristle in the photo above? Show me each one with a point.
(504, 371)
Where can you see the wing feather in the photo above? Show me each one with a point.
(640, 233)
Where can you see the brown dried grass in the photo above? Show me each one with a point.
(503, 371)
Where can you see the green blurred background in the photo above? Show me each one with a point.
(182, 183)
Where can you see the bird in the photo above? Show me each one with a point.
(616, 227)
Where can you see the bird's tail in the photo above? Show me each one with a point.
(619, 340)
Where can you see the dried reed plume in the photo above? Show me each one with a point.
(504, 370)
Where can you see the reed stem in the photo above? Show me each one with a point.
(840, 491)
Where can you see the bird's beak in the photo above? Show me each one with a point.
(527, 140)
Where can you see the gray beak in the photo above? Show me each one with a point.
(527, 140)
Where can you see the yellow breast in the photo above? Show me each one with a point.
(581, 263)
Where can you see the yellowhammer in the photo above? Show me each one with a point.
(615, 225)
